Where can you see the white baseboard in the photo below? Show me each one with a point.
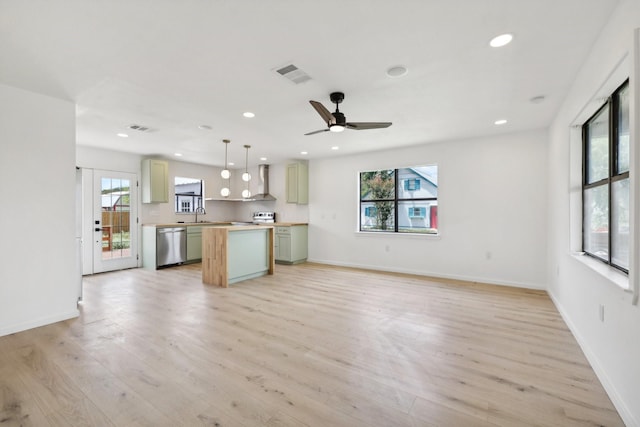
(534, 286)
(626, 415)
(35, 323)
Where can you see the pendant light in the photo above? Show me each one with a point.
(246, 176)
(225, 173)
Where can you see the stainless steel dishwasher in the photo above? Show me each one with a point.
(171, 246)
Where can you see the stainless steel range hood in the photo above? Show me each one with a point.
(263, 184)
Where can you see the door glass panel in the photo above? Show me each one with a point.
(116, 215)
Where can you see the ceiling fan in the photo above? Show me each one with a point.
(336, 122)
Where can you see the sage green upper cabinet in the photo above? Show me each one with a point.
(297, 184)
(155, 181)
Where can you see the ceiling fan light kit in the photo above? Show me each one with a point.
(337, 122)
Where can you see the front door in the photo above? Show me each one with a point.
(114, 227)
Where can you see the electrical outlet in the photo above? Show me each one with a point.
(387, 248)
(488, 255)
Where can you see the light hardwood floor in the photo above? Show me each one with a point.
(310, 346)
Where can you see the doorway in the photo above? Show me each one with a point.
(110, 215)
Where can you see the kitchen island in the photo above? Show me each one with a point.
(234, 253)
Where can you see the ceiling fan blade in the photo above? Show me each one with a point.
(324, 113)
(317, 131)
(367, 125)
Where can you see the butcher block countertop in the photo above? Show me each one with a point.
(188, 224)
(224, 224)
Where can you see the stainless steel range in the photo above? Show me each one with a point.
(264, 217)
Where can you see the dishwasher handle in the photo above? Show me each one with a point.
(172, 230)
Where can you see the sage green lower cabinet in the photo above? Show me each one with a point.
(291, 244)
(194, 243)
(235, 253)
(248, 254)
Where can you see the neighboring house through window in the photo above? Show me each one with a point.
(400, 200)
(188, 194)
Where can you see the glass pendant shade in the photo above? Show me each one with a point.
(246, 177)
(225, 173)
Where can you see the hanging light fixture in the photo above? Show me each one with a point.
(246, 176)
(225, 173)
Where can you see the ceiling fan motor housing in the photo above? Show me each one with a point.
(340, 119)
(336, 97)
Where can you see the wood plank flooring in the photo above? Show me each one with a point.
(311, 345)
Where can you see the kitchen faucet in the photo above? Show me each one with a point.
(200, 210)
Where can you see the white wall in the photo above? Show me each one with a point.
(612, 346)
(491, 212)
(38, 271)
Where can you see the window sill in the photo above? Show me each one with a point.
(613, 275)
(392, 233)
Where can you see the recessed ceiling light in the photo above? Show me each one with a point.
(304, 153)
(500, 122)
(248, 114)
(231, 164)
(263, 159)
(123, 135)
(335, 147)
(397, 71)
(501, 40)
(204, 127)
(177, 154)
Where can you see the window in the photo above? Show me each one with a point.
(417, 212)
(400, 200)
(605, 182)
(411, 184)
(188, 194)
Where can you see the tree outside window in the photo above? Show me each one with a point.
(399, 200)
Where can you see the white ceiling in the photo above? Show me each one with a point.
(174, 65)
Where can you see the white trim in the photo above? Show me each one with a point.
(35, 323)
(393, 233)
(598, 369)
(612, 274)
(472, 279)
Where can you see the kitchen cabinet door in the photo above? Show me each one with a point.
(297, 183)
(283, 247)
(194, 243)
(155, 181)
(291, 243)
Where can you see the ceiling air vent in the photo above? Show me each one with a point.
(293, 73)
(139, 128)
